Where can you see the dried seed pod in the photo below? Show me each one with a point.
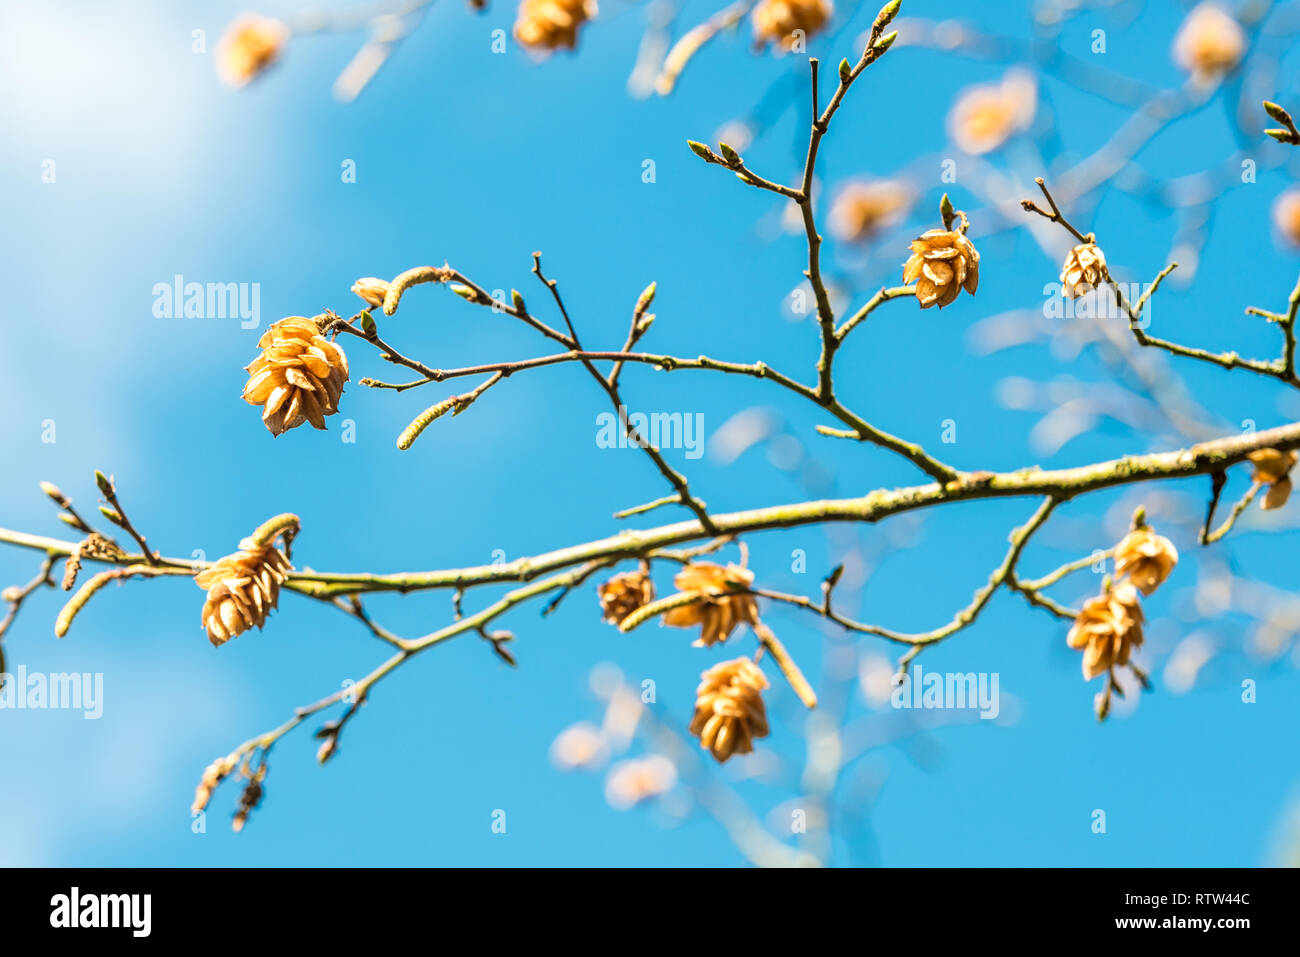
(729, 712)
(1084, 270)
(942, 264)
(624, 594)
(298, 377)
(1108, 629)
(244, 587)
(717, 608)
(1145, 558)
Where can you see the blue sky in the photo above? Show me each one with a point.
(479, 159)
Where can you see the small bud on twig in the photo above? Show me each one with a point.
(886, 15)
(882, 45)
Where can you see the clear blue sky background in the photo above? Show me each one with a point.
(480, 159)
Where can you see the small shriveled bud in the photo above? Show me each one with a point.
(371, 290)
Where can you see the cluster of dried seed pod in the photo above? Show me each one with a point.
(1109, 626)
(729, 711)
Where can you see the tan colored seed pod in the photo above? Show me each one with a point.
(1108, 629)
(624, 594)
(1145, 558)
(1277, 494)
(729, 712)
(782, 22)
(298, 377)
(1084, 270)
(1273, 468)
(242, 588)
(552, 24)
(372, 290)
(250, 45)
(716, 609)
(942, 264)
(1209, 43)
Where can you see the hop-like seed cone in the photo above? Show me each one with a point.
(942, 263)
(248, 47)
(298, 377)
(729, 712)
(1145, 558)
(624, 594)
(552, 24)
(1084, 270)
(1108, 629)
(775, 21)
(242, 589)
(717, 610)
